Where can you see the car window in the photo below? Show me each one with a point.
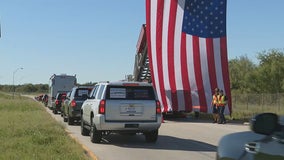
(130, 93)
(80, 92)
(68, 95)
(94, 91)
(61, 96)
(102, 87)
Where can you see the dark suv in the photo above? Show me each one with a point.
(73, 103)
(60, 97)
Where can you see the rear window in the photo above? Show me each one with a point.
(61, 96)
(82, 91)
(130, 92)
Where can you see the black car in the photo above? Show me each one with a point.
(73, 103)
(60, 97)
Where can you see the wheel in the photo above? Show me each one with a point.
(96, 136)
(54, 111)
(84, 131)
(64, 117)
(151, 136)
(70, 120)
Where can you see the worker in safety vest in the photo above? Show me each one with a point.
(222, 102)
(214, 105)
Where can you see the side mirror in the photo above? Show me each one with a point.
(265, 123)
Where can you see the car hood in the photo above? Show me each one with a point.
(233, 145)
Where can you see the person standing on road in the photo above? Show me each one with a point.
(214, 105)
(222, 101)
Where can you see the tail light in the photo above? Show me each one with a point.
(56, 102)
(158, 107)
(102, 107)
(73, 103)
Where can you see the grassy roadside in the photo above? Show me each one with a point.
(27, 131)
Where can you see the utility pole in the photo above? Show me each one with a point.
(14, 89)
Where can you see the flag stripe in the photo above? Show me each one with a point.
(191, 75)
(159, 60)
(184, 72)
(198, 73)
(211, 67)
(211, 64)
(177, 60)
(166, 88)
(171, 56)
(225, 70)
(205, 73)
(150, 28)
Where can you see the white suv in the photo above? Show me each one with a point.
(123, 107)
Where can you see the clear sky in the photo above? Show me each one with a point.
(96, 40)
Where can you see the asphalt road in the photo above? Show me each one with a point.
(179, 139)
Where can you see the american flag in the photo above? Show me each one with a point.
(187, 48)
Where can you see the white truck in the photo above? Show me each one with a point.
(59, 84)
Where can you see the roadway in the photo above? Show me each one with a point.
(179, 139)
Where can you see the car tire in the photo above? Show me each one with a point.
(151, 136)
(65, 119)
(54, 111)
(95, 135)
(84, 131)
(70, 120)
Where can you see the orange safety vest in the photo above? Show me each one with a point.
(215, 99)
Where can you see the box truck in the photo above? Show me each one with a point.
(59, 84)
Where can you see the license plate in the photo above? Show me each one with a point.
(131, 109)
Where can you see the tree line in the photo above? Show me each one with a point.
(245, 76)
(265, 77)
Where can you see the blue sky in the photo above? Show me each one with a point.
(96, 40)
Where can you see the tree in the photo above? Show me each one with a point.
(241, 72)
(271, 70)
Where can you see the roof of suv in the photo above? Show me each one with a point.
(127, 83)
(84, 87)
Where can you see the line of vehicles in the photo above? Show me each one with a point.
(132, 107)
(108, 107)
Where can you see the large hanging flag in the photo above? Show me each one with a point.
(187, 48)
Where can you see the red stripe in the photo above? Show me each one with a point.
(198, 74)
(159, 31)
(148, 27)
(211, 63)
(171, 58)
(184, 73)
(225, 70)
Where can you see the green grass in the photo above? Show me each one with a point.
(27, 131)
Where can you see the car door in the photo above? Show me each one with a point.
(88, 104)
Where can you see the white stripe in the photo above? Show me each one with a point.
(177, 51)
(205, 72)
(217, 57)
(218, 63)
(153, 43)
(166, 16)
(191, 73)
